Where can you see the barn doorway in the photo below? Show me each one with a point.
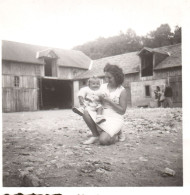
(55, 94)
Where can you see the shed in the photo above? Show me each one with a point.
(37, 77)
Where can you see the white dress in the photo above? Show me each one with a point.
(114, 121)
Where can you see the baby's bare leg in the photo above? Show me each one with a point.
(100, 118)
(100, 110)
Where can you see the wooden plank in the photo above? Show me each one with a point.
(16, 68)
(28, 82)
(24, 81)
(7, 100)
(177, 91)
(27, 100)
(19, 99)
(175, 79)
(7, 81)
(6, 67)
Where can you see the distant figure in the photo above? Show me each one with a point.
(162, 98)
(157, 93)
(168, 102)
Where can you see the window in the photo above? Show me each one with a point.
(147, 91)
(147, 65)
(48, 67)
(16, 81)
(83, 82)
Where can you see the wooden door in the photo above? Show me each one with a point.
(8, 100)
(176, 84)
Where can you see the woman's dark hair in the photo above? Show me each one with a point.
(116, 72)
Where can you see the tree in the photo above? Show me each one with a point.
(162, 35)
(129, 42)
(177, 35)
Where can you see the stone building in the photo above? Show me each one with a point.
(144, 70)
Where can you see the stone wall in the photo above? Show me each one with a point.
(138, 92)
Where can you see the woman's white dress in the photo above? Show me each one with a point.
(114, 121)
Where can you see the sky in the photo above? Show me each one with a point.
(68, 23)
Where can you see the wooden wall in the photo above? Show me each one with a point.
(69, 72)
(22, 69)
(23, 97)
(16, 100)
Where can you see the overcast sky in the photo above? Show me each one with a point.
(67, 23)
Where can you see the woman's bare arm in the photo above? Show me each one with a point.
(121, 107)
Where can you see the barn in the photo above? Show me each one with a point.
(36, 77)
(144, 70)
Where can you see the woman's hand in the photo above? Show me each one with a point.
(121, 107)
(104, 98)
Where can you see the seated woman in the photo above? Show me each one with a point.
(114, 101)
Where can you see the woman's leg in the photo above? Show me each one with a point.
(90, 123)
(92, 126)
(106, 139)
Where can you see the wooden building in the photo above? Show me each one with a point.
(37, 77)
(144, 70)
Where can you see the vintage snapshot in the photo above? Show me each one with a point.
(91, 94)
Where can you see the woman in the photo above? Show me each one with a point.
(114, 103)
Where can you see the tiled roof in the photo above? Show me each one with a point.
(130, 62)
(21, 52)
(174, 58)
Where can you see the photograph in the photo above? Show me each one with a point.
(92, 94)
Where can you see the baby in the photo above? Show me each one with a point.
(89, 99)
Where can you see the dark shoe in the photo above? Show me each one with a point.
(78, 111)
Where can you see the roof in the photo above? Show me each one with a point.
(46, 53)
(130, 62)
(174, 57)
(22, 52)
(155, 50)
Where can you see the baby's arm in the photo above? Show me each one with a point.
(81, 96)
(81, 100)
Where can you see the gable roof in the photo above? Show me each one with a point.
(130, 62)
(22, 52)
(173, 60)
(152, 50)
(46, 53)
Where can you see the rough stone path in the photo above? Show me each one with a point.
(44, 149)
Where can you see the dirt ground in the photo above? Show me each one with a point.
(44, 148)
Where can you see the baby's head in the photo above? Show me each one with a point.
(94, 83)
